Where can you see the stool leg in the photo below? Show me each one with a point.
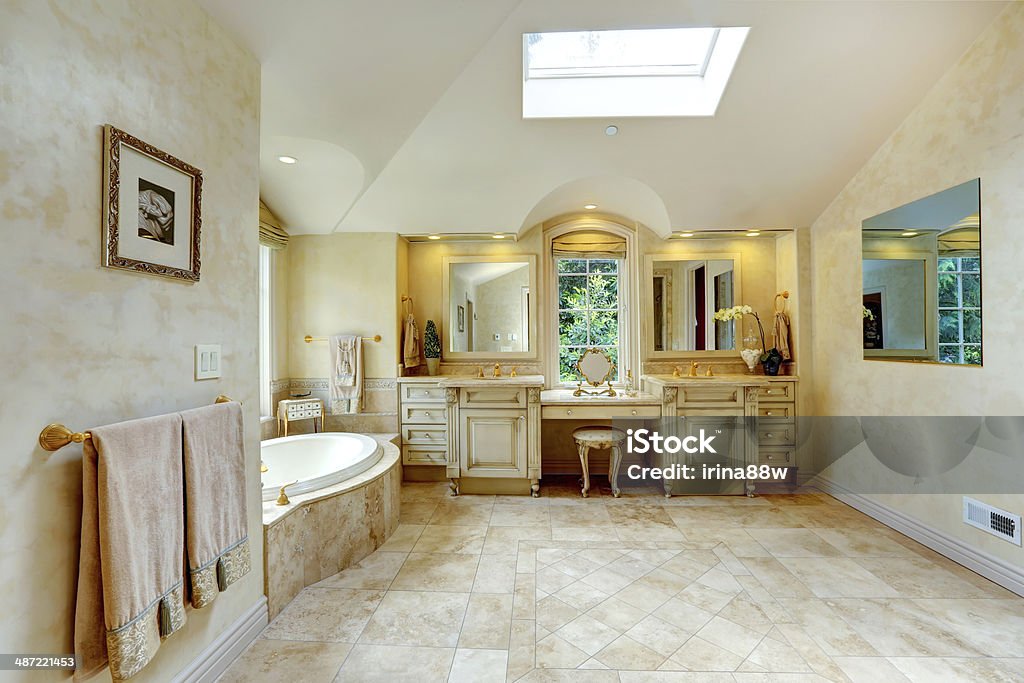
(584, 450)
(613, 469)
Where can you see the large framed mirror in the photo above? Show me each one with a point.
(682, 294)
(489, 307)
(921, 279)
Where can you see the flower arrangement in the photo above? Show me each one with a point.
(867, 313)
(431, 343)
(737, 313)
(771, 359)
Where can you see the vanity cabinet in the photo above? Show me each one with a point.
(492, 442)
(777, 423)
(493, 431)
(423, 421)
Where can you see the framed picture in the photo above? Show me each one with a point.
(874, 332)
(462, 318)
(152, 209)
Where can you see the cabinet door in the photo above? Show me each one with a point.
(493, 442)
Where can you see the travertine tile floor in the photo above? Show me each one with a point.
(787, 588)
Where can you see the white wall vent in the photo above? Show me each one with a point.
(1001, 523)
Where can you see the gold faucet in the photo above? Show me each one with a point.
(513, 373)
(497, 369)
(677, 372)
(283, 498)
(480, 372)
(708, 372)
(693, 369)
(263, 467)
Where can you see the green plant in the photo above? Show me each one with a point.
(431, 342)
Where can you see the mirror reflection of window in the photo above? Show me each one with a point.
(922, 279)
(686, 295)
(489, 307)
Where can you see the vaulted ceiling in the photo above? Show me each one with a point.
(406, 115)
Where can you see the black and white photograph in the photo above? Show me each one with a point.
(156, 212)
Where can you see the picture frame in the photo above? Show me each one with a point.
(462, 318)
(152, 209)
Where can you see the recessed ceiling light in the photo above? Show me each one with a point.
(287, 159)
(909, 233)
(611, 130)
(753, 233)
(590, 207)
(684, 234)
(498, 236)
(433, 237)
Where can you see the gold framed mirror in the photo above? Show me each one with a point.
(595, 367)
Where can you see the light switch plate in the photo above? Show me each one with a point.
(207, 361)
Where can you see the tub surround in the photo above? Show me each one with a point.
(322, 532)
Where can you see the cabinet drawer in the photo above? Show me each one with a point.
(414, 413)
(773, 410)
(422, 392)
(710, 395)
(492, 397)
(424, 455)
(777, 391)
(425, 435)
(597, 412)
(776, 434)
(776, 456)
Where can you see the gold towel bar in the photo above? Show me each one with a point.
(55, 436)
(310, 340)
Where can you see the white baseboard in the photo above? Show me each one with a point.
(1007, 575)
(218, 655)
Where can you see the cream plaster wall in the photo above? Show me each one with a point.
(969, 125)
(87, 345)
(344, 282)
(499, 309)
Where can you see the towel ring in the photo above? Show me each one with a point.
(784, 295)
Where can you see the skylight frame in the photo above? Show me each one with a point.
(589, 92)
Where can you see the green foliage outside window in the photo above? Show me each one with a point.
(959, 310)
(588, 311)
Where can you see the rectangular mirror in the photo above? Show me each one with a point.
(489, 307)
(921, 281)
(684, 294)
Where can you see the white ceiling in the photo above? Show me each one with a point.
(406, 116)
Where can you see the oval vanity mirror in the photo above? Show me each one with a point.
(595, 367)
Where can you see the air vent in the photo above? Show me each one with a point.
(997, 522)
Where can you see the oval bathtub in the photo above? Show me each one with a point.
(315, 461)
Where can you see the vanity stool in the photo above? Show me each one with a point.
(600, 438)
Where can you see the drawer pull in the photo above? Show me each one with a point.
(768, 391)
(768, 412)
(568, 412)
(634, 412)
(426, 393)
(771, 457)
(769, 435)
(427, 413)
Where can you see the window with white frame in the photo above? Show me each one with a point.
(589, 310)
(266, 337)
(959, 310)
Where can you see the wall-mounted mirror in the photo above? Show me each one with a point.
(921, 282)
(684, 293)
(489, 307)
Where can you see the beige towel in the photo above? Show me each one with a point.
(216, 529)
(346, 381)
(411, 345)
(131, 566)
(781, 334)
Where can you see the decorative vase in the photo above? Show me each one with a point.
(751, 351)
(772, 362)
(432, 366)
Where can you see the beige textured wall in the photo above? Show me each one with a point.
(968, 126)
(344, 282)
(87, 345)
(499, 309)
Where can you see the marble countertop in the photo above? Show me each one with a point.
(565, 397)
(471, 381)
(743, 380)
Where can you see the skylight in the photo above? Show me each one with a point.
(636, 72)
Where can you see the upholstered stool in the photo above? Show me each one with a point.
(601, 438)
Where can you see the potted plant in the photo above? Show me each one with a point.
(771, 360)
(431, 348)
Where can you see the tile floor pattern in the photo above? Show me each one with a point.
(787, 588)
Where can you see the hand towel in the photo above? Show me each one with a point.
(131, 566)
(346, 381)
(411, 346)
(216, 528)
(781, 334)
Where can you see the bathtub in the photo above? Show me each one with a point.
(315, 461)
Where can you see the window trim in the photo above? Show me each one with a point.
(629, 288)
(266, 330)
